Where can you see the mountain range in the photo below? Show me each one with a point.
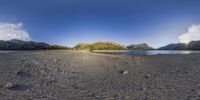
(26, 45)
(142, 46)
(193, 45)
(31, 45)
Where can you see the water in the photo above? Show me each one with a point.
(153, 52)
(6, 51)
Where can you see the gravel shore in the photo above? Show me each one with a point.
(71, 75)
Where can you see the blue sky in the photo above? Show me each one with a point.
(68, 22)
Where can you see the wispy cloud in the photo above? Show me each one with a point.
(10, 31)
(192, 34)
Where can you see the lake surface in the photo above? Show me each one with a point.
(152, 52)
(6, 51)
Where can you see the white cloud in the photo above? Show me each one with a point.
(192, 34)
(10, 31)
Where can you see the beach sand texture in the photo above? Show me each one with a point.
(71, 75)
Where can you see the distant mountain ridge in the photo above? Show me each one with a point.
(31, 45)
(22, 45)
(27, 45)
(176, 46)
(193, 45)
(142, 46)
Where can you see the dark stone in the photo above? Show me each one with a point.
(23, 74)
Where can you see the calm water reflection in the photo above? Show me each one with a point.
(153, 52)
(6, 51)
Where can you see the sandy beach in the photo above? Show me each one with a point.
(71, 75)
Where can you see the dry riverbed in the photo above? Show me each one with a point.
(71, 75)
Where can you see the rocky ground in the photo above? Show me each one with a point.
(71, 75)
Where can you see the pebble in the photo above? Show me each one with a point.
(10, 85)
(36, 63)
(124, 72)
(22, 74)
(147, 76)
